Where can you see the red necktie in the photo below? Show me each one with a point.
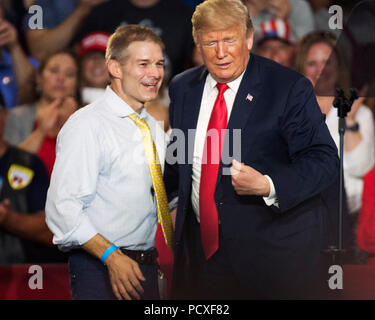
(209, 221)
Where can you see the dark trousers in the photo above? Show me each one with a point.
(215, 278)
(207, 279)
(89, 278)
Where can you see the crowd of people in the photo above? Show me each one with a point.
(48, 74)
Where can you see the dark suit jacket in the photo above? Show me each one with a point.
(283, 135)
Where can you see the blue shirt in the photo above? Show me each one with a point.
(101, 181)
(8, 85)
(54, 12)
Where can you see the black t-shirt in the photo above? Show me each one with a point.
(24, 181)
(170, 19)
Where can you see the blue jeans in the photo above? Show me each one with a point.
(89, 278)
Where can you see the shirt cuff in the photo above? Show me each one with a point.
(272, 197)
(77, 237)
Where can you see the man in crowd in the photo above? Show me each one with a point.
(276, 41)
(24, 236)
(297, 12)
(169, 19)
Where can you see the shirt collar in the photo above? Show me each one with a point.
(233, 85)
(119, 107)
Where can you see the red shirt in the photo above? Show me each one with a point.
(47, 153)
(366, 223)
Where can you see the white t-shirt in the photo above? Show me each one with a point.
(358, 161)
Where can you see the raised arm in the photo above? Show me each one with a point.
(47, 41)
(22, 68)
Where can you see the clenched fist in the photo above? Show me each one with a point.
(248, 181)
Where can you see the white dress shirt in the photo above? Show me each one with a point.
(360, 160)
(210, 93)
(90, 95)
(101, 181)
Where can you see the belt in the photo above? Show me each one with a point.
(142, 257)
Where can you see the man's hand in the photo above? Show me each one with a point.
(8, 35)
(4, 210)
(124, 274)
(248, 181)
(280, 8)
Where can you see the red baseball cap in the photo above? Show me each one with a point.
(95, 41)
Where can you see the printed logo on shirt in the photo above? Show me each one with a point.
(19, 177)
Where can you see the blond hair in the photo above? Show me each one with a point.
(219, 15)
(124, 36)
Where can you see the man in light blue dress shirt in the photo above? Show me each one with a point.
(101, 196)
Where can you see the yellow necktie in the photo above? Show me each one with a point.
(164, 216)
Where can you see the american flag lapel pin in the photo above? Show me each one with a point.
(249, 97)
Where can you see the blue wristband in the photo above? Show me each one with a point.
(108, 252)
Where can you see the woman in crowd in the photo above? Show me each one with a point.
(322, 63)
(34, 127)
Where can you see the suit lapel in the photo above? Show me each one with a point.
(193, 99)
(244, 105)
(250, 85)
(191, 106)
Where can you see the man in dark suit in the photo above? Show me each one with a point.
(253, 227)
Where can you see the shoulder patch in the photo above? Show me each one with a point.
(19, 177)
